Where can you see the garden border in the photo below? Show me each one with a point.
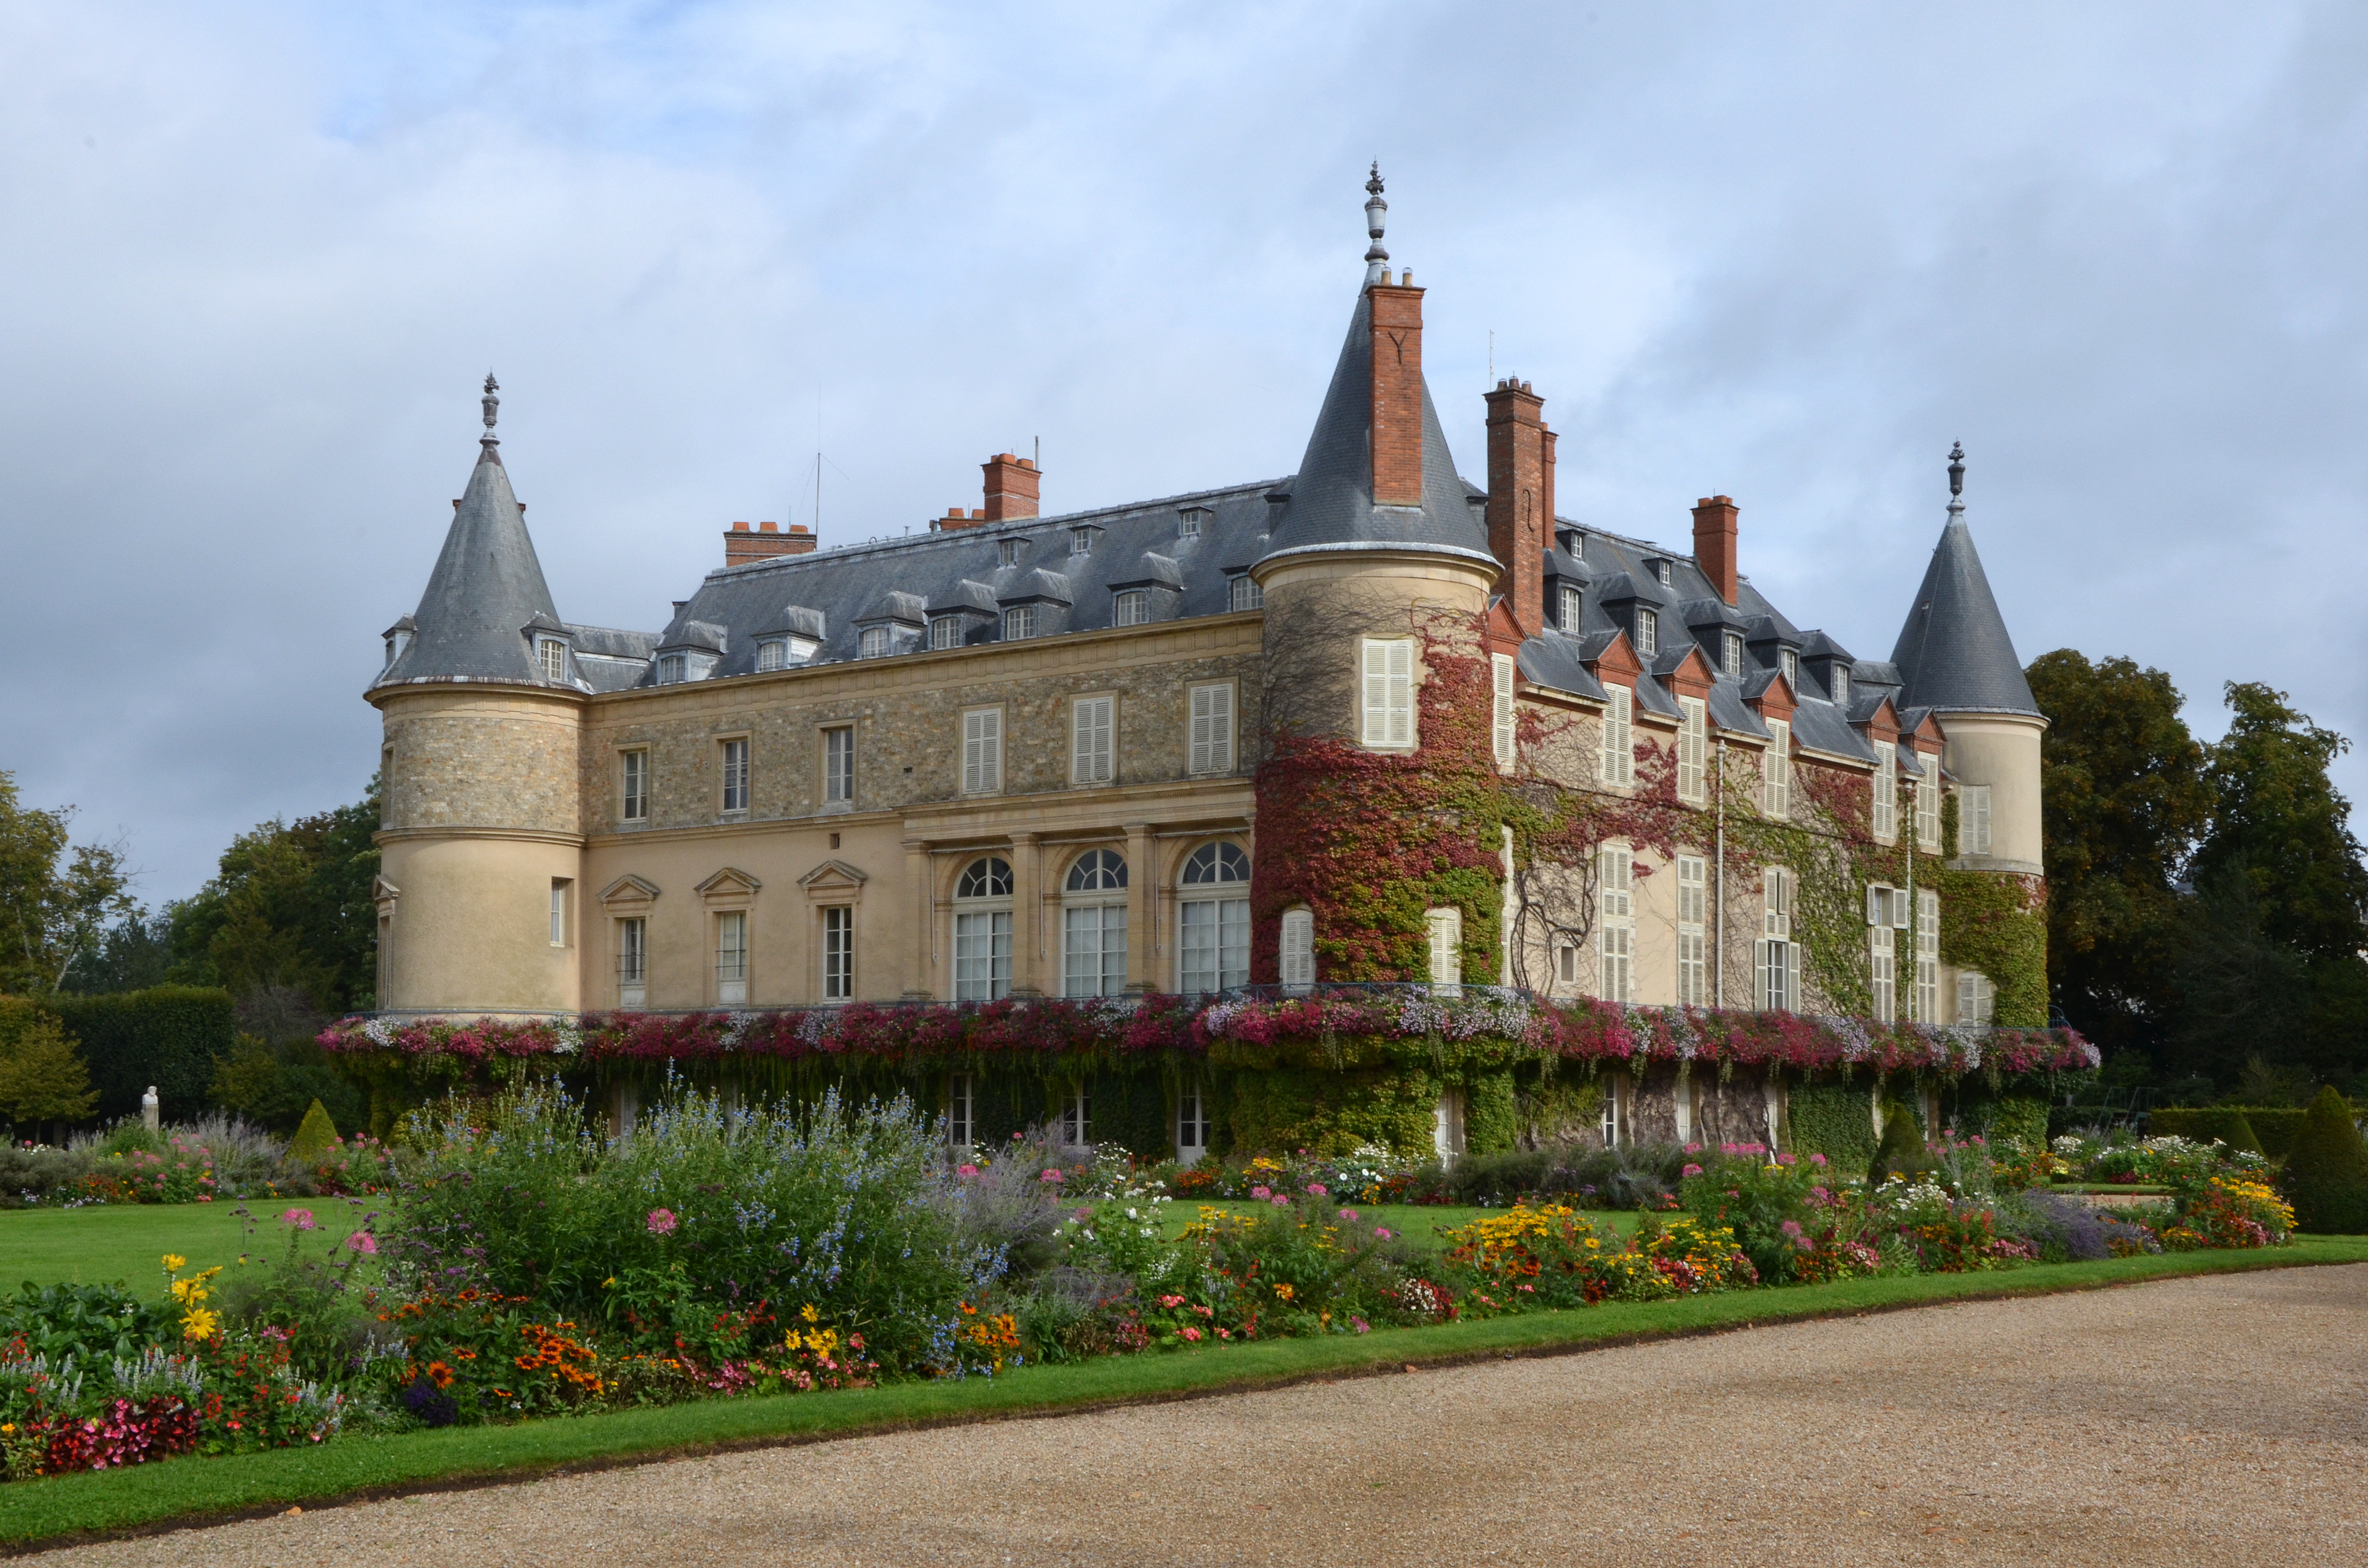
(42, 1515)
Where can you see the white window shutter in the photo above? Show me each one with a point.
(1213, 729)
(1401, 657)
(1503, 670)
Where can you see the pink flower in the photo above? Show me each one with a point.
(965, 1170)
(1053, 1176)
(1192, 1333)
(300, 1218)
(1693, 1148)
(364, 1243)
(1821, 1194)
(1261, 1193)
(1689, 1171)
(1791, 1227)
(1361, 1325)
(1315, 1189)
(1785, 1159)
(1171, 1302)
(1818, 1160)
(1279, 1202)
(662, 1221)
(1383, 1232)
(1349, 1215)
(1084, 1214)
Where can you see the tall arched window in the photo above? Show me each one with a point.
(982, 930)
(1214, 920)
(1093, 925)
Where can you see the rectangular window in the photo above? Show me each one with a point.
(1928, 812)
(673, 669)
(962, 1110)
(1194, 1127)
(1927, 956)
(1840, 680)
(838, 766)
(1213, 729)
(838, 953)
(1648, 634)
(1693, 751)
(875, 643)
(1501, 669)
(1974, 819)
(1077, 1119)
(1615, 903)
(1298, 966)
(772, 654)
(1008, 551)
(1214, 945)
(1246, 594)
(635, 767)
(1693, 902)
(732, 958)
(1573, 603)
(1389, 692)
(1976, 1002)
(1619, 744)
(1446, 929)
(1566, 965)
(1778, 991)
(982, 751)
(1019, 623)
(982, 955)
(1081, 541)
(1735, 655)
(1093, 951)
(554, 658)
(1882, 977)
(558, 886)
(1776, 770)
(946, 631)
(1090, 740)
(1134, 608)
(1188, 522)
(1886, 792)
(736, 775)
(1790, 662)
(633, 962)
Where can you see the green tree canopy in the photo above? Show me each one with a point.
(57, 897)
(2279, 821)
(2124, 800)
(290, 907)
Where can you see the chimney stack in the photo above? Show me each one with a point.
(740, 546)
(1398, 392)
(1521, 498)
(1714, 535)
(1011, 487)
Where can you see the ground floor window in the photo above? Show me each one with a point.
(838, 953)
(1214, 945)
(1093, 949)
(1193, 1126)
(732, 958)
(962, 1110)
(1077, 1119)
(633, 962)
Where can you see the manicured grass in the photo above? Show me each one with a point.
(125, 1242)
(191, 1490)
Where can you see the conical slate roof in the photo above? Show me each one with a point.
(1955, 654)
(486, 589)
(1331, 496)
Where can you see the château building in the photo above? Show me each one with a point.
(1021, 753)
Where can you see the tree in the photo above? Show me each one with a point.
(52, 914)
(42, 1074)
(2327, 1168)
(2279, 821)
(289, 908)
(134, 954)
(2124, 800)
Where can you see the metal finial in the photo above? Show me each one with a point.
(493, 401)
(1956, 480)
(1376, 211)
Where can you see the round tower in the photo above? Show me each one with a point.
(480, 888)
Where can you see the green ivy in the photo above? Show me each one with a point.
(1996, 923)
(1833, 1119)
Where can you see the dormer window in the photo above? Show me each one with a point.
(1648, 634)
(1572, 603)
(1579, 547)
(946, 631)
(1019, 623)
(1190, 520)
(1734, 654)
(1790, 662)
(1661, 571)
(1010, 548)
(396, 642)
(772, 654)
(1841, 684)
(1081, 541)
(1134, 608)
(552, 654)
(674, 669)
(875, 643)
(1245, 593)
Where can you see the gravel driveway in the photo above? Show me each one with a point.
(2192, 1422)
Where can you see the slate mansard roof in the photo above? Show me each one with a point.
(1954, 653)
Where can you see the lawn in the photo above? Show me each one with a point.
(107, 1244)
(193, 1489)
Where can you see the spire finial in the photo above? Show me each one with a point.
(1956, 477)
(493, 406)
(1376, 211)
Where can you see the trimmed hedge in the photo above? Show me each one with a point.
(2326, 1176)
(168, 1036)
(2275, 1126)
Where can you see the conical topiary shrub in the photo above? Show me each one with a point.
(1901, 1153)
(315, 1137)
(2238, 1133)
(2327, 1169)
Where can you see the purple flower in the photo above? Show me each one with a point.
(662, 1221)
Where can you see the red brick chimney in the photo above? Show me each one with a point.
(1398, 392)
(740, 546)
(1011, 487)
(1714, 544)
(1521, 498)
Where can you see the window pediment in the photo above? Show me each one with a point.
(628, 889)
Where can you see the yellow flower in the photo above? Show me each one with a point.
(809, 1313)
(174, 1263)
(199, 1323)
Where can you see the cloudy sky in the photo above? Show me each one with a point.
(258, 256)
